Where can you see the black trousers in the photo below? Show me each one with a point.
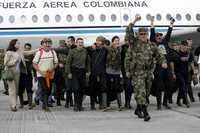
(25, 82)
(79, 84)
(45, 90)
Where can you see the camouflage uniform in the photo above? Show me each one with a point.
(139, 62)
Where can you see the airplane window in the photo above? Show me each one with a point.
(12, 19)
(198, 17)
(188, 17)
(168, 16)
(34, 18)
(23, 18)
(80, 18)
(58, 18)
(158, 17)
(69, 18)
(91, 17)
(1, 19)
(126, 17)
(148, 17)
(113, 17)
(178, 17)
(46, 18)
(103, 17)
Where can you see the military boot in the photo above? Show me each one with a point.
(146, 114)
(138, 111)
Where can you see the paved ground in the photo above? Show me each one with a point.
(61, 120)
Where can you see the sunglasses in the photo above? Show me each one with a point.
(142, 34)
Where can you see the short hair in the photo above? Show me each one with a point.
(44, 40)
(71, 37)
(79, 39)
(27, 44)
(107, 42)
(100, 38)
(11, 46)
(184, 42)
(115, 37)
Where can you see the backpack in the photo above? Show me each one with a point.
(41, 53)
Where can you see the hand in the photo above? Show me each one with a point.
(69, 76)
(164, 65)
(174, 76)
(87, 74)
(128, 75)
(61, 65)
(152, 20)
(172, 20)
(137, 18)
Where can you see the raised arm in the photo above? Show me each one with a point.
(130, 37)
(169, 32)
(153, 33)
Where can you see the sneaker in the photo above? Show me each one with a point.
(13, 109)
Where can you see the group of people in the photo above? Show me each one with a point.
(104, 70)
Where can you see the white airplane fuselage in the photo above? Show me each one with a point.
(30, 21)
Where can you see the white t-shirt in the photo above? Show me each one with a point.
(198, 60)
(46, 61)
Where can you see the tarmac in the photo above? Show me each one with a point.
(62, 120)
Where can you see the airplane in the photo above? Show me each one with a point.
(30, 21)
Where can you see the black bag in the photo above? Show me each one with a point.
(7, 74)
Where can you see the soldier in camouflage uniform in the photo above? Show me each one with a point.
(139, 61)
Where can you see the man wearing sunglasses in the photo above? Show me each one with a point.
(139, 64)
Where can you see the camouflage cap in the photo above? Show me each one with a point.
(143, 29)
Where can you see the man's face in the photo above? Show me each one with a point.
(47, 45)
(189, 44)
(159, 38)
(143, 36)
(116, 42)
(27, 48)
(99, 43)
(183, 48)
(70, 42)
(80, 43)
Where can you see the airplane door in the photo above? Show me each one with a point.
(125, 17)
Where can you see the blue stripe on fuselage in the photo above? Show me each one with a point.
(55, 31)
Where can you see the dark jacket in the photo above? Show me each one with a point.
(98, 60)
